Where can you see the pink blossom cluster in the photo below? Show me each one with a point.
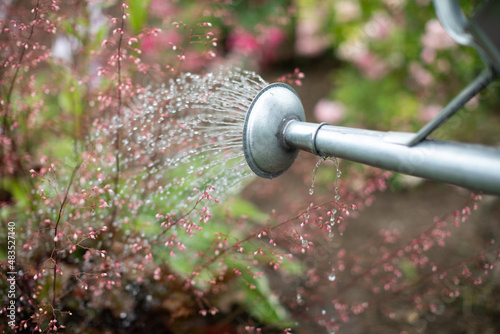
(264, 44)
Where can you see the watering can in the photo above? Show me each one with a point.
(275, 128)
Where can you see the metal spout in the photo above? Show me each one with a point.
(474, 167)
(263, 143)
(275, 129)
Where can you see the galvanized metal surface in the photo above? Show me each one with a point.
(455, 105)
(275, 130)
(474, 167)
(263, 144)
(481, 33)
(453, 20)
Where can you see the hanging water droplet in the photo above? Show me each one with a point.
(315, 171)
(332, 277)
(339, 173)
(308, 213)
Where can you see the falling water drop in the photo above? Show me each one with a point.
(315, 171)
(339, 173)
(300, 301)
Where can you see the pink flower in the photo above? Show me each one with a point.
(329, 111)
(243, 42)
(162, 9)
(269, 41)
(371, 65)
(420, 75)
(262, 47)
(165, 39)
(379, 27)
(435, 38)
(309, 41)
(429, 112)
(272, 36)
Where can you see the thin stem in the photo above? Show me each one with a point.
(56, 231)
(119, 109)
(16, 73)
(395, 253)
(119, 113)
(182, 57)
(3, 151)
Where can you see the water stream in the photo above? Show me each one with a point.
(186, 134)
(333, 218)
(183, 135)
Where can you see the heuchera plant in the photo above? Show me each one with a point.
(107, 240)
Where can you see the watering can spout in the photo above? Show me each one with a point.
(275, 130)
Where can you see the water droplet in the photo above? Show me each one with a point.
(339, 173)
(315, 171)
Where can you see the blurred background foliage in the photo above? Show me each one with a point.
(398, 67)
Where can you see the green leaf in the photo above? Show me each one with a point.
(239, 207)
(138, 10)
(409, 271)
(147, 223)
(65, 101)
(59, 148)
(260, 301)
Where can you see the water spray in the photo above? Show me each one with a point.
(275, 129)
